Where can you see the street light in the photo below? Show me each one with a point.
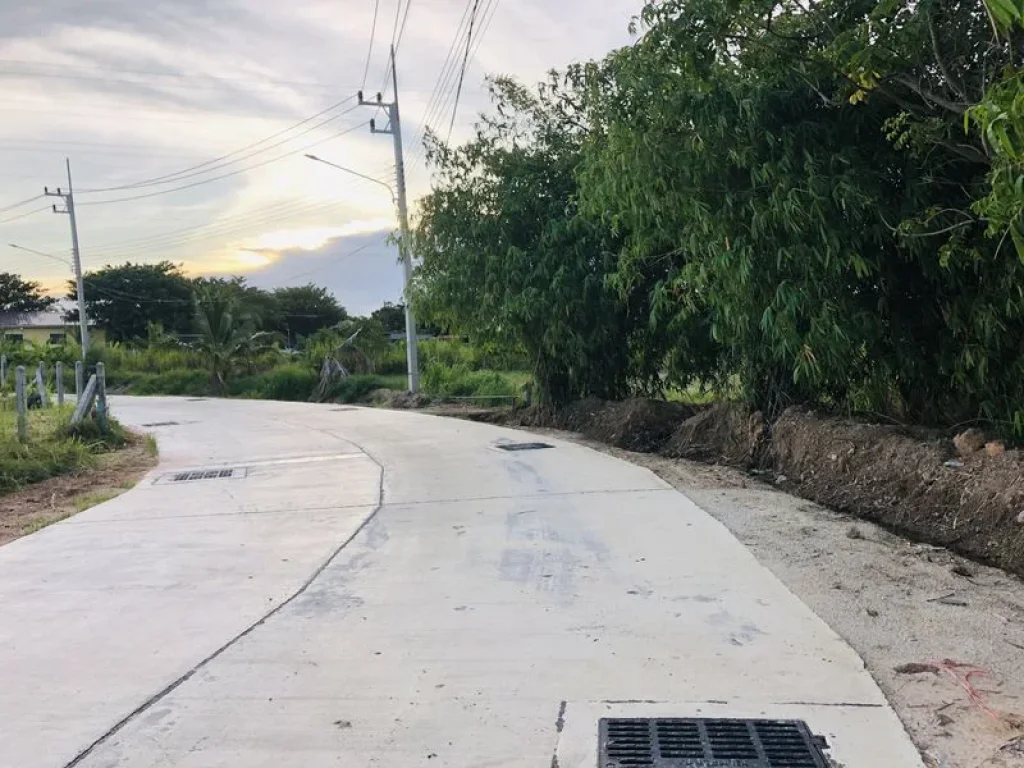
(412, 354)
(39, 253)
(386, 186)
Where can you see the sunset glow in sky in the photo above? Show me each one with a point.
(186, 122)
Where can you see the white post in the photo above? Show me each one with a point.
(79, 378)
(21, 403)
(411, 351)
(41, 385)
(59, 374)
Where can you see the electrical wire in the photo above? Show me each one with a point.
(20, 203)
(373, 33)
(405, 20)
(63, 74)
(443, 77)
(332, 262)
(462, 71)
(212, 165)
(225, 175)
(241, 226)
(23, 215)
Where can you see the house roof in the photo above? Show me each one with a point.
(45, 319)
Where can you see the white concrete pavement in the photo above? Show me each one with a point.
(390, 589)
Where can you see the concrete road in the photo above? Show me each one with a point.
(376, 588)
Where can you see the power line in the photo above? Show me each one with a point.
(63, 74)
(444, 74)
(331, 262)
(20, 203)
(240, 226)
(462, 72)
(23, 215)
(373, 33)
(225, 175)
(212, 165)
(405, 20)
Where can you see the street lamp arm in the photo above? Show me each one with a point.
(355, 173)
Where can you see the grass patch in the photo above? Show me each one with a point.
(53, 446)
(487, 387)
(152, 449)
(38, 523)
(87, 500)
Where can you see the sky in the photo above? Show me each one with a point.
(186, 123)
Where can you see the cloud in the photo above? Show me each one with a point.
(361, 270)
(186, 89)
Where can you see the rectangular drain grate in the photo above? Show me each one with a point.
(523, 446)
(202, 474)
(707, 743)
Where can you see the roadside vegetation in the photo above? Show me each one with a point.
(793, 204)
(53, 447)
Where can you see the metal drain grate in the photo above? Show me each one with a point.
(708, 743)
(201, 474)
(523, 446)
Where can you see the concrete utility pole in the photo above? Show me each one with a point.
(69, 209)
(394, 127)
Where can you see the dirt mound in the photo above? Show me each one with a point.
(911, 483)
(726, 432)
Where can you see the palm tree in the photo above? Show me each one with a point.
(227, 333)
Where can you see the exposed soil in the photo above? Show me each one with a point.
(916, 484)
(40, 504)
(906, 608)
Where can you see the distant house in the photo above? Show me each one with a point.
(46, 327)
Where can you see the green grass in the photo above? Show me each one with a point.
(87, 500)
(53, 447)
(152, 449)
(38, 523)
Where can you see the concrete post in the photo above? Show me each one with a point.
(101, 398)
(59, 374)
(79, 378)
(21, 402)
(41, 384)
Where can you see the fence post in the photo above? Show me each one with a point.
(41, 384)
(79, 378)
(21, 403)
(3, 370)
(59, 374)
(101, 397)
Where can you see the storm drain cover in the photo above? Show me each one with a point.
(523, 446)
(708, 743)
(205, 474)
(161, 424)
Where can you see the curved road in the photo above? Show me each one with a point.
(378, 588)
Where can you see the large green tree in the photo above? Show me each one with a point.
(304, 310)
(125, 300)
(508, 257)
(18, 295)
(805, 173)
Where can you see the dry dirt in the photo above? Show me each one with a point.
(40, 504)
(959, 625)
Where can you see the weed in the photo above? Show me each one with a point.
(152, 449)
(87, 500)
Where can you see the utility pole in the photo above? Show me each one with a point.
(394, 127)
(69, 209)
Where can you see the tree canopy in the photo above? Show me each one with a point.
(126, 299)
(815, 203)
(18, 295)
